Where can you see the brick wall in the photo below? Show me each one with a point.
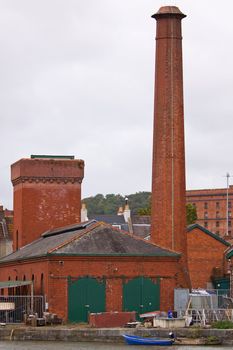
(204, 254)
(47, 194)
(211, 206)
(114, 270)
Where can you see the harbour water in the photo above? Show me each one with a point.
(41, 345)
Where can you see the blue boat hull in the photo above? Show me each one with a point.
(136, 340)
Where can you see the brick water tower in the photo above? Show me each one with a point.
(168, 217)
(47, 194)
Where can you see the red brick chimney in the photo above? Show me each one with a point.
(168, 221)
(47, 194)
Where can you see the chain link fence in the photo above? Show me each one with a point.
(13, 308)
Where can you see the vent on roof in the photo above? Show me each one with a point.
(69, 228)
(34, 156)
(117, 226)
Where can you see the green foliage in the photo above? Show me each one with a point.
(191, 214)
(144, 211)
(195, 333)
(139, 202)
(110, 203)
(212, 340)
(223, 325)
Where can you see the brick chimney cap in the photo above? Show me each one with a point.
(168, 11)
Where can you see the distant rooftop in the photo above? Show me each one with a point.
(46, 156)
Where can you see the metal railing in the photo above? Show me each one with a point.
(204, 316)
(213, 299)
(13, 308)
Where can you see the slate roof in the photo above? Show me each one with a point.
(142, 231)
(141, 219)
(86, 239)
(109, 219)
(141, 223)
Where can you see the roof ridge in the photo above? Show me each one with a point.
(79, 235)
(208, 232)
(141, 239)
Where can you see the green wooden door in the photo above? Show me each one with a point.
(222, 283)
(85, 295)
(141, 294)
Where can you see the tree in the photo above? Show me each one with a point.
(110, 203)
(144, 211)
(139, 203)
(191, 214)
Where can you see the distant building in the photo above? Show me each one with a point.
(139, 225)
(211, 206)
(6, 231)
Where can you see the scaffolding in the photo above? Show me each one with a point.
(204, 306)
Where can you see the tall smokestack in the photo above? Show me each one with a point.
(168, 221)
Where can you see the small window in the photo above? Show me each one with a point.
(206, 215)
(229, 204)
(205, 205)
(10, 290)
(194, 204)
(217, 205)
(205, 224)
(229, 223)
(42, 284)
(217, 223)
(229, 214)
(217, 233)
(229, 233)
(217, 214)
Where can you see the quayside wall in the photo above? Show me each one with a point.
(188, 336)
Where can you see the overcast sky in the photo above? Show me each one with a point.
(76, 78)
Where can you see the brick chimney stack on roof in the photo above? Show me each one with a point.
(120, 211)
(168, 213)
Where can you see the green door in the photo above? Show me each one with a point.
(222, 283)
(141, 294)
(85, 295)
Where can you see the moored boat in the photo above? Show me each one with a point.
(136, 340)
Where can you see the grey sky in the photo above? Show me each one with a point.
(77, 78)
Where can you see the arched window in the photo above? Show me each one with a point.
(42, 284)
(17, 289)
(10, 291)
(24, 289)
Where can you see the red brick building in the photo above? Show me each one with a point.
(97, 265)
(6, 231)
(206, 256)
(93, 266)
(204, 248)
(47, 194)
(211, 206)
